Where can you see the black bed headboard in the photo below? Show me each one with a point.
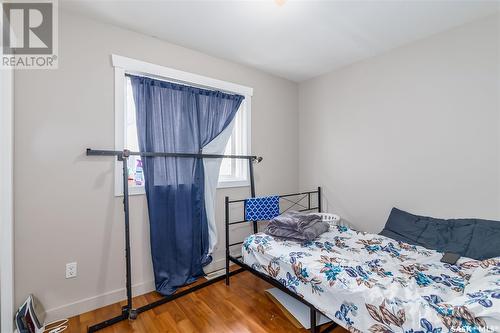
(301, 201)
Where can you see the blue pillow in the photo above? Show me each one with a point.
(473, 238)
(446, 235)
(485, 242)
(403, 226)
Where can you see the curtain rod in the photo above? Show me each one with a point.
(126, 153)
(179, 82)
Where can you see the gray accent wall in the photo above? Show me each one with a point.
(417, 128)
(65, 208)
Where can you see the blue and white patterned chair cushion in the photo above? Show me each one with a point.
(262, 208)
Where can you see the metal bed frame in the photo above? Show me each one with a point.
(244, 267)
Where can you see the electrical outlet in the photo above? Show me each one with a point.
(71, 270)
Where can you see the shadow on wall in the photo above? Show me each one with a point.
(332, 204)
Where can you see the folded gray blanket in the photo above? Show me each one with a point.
(294, 220)
(297, 226)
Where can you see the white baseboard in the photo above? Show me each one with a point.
(215, 265)
(114, 296)
(215, 274)
(98, 301)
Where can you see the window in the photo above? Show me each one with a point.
(135, 172)
(233, 172)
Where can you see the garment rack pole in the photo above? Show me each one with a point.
(131, 312)
(252, 192)
(128, 312)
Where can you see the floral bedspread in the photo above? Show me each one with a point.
(371, 283)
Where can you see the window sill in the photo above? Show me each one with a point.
(233, 183)
(139, 190)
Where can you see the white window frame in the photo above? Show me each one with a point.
(123, 65)
(245, 142)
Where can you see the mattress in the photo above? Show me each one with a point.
(372, 283)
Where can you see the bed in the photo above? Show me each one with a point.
(370, 283)
(374, 283)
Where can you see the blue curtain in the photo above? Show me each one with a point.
(180, 119)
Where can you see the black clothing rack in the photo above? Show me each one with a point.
(128, 312)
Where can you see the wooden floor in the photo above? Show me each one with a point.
(241, 307)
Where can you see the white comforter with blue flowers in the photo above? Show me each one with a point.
(371, 283)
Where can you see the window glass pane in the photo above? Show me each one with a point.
(236, 169)
(135, 171)
(225, 167)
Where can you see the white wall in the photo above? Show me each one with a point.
(417, 128)
(6, 200)
(65, 209)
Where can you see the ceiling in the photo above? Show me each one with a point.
(296, 40)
